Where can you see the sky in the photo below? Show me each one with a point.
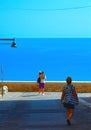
(45, 18)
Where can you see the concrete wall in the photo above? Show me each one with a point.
(49, 86)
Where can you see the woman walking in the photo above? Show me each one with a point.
(68, 100)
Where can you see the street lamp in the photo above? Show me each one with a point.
(13, 45)
(2, 79)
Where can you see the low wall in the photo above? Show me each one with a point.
(49, 86)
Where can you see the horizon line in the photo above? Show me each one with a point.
(47, 81)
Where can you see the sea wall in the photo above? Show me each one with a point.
(49, 86)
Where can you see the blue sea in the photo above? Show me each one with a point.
(57, 57)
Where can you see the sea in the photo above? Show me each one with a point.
(57, 57)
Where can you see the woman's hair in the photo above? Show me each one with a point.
(39, 73)
(42, 75)
(68, 80)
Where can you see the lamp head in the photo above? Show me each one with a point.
(13, 45)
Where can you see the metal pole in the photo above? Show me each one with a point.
(7, 39)
(2, 78)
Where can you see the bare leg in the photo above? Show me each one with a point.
(42, 90)
(69, 114)
(39, 90)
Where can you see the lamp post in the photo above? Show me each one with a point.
(2, 78)
(13, 45)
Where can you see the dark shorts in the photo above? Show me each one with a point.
(69, 105)
(41, 85)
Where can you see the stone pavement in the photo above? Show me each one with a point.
(30, 111)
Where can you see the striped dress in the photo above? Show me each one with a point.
(67, 89)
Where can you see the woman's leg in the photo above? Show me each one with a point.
(43, 88)
(39, 88)
(69, 113)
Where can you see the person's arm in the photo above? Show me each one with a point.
(62, 97)
(75, 94)
(45, 77)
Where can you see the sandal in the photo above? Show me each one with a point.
(68, 122)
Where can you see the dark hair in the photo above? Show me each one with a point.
(42, 72)
(68, 80)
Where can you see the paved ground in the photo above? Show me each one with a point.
(30, 111)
